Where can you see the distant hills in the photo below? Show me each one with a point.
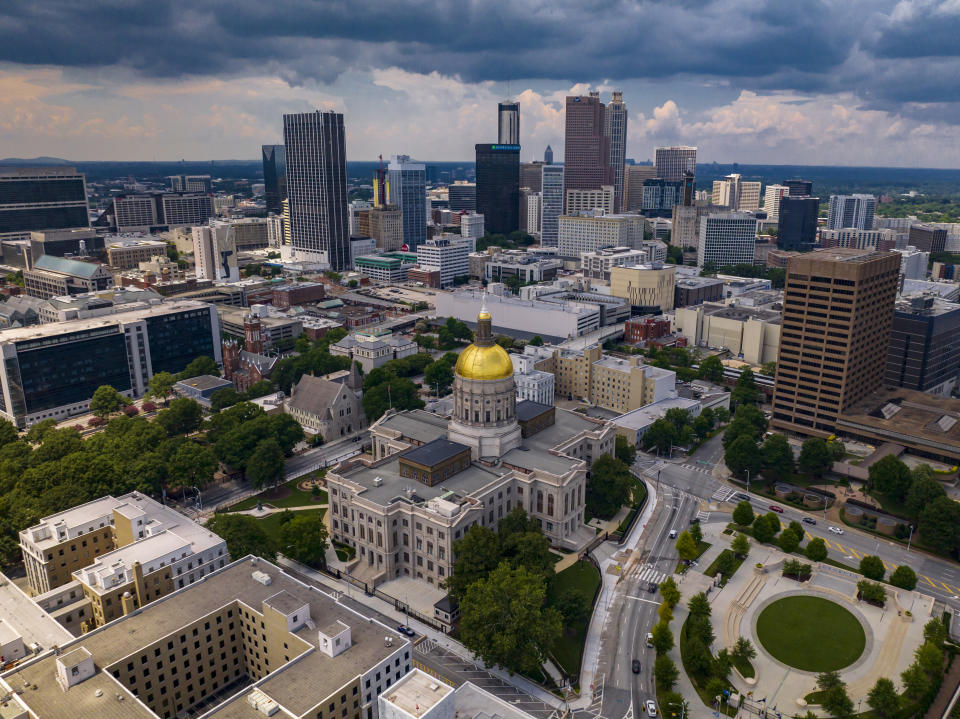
(34, 161)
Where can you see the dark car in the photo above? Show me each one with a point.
(809, 520)
(406, 630)
(652, 587)
(741, 497)
(635, 666)
(694, 520)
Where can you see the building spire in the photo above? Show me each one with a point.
(484, 334)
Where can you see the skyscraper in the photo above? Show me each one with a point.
(771, 200)
(634, 177)
(551, 204)
(673, 162)
(548, 155)
(508, 123)
(530, 175)
(586, 152)
(462, 196)
(274, 177)
(851, 211)
(190, 183)
(799, 188)
(734, 193)
(41, 198)
(689, 189)
(797, 223)
(727, 238)
(924, 352)
(317, 187)
(615, 128)
(498, 187)
(407, 189)
(837, 315)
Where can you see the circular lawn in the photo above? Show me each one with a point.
(811, 633)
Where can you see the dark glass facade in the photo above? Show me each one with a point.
(27, 191)
(42, 218)
(498, 187)
(179, 338)
(924, 351)
(67, 369)
(797, 225)
(28, 202)
(274, 177)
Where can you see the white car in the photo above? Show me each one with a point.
(651, 708)
(836, 530)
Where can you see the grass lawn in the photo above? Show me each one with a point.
(811, 634)
(584, 578)
(714, 567)
(272, 524)
(344, 551)
(284, 495)
(744, 667)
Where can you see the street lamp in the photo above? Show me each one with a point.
(682, 706)
(748, 480)
(910, 538)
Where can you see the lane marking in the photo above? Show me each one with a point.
(643, 599)
(928, 580)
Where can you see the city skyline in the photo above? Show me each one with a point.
(155, 91)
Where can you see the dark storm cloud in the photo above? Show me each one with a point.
(810, 46)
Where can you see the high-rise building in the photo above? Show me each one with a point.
(588, 233)
(861, 239)
(386, 227)
(851, 211)
(727, 238)
(498, 187)
(190, 183)
(673, 162)
(659, 197)
(735, 194)
(548, 156)
(52, 370)
(531, 175)
(462, 196)
(471, 225)
(508, 123)
(534, 210)
(799, 188)
(447, 254)
(928, 239)
(586, 152)
(689, 192)
(274, 177)
(797, 222)
(215, 252)
(407, 189)
(41, 198)
(634, 177)
(615, 128)
(771, 200)
(551, 204)
(317, 187)
(685, 224)
(600, 198)
(837, 314)
(924, 351)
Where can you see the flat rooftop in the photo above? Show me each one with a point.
(646, 415)
(432, 453)
(417, 693)
(204, 382)
(25, 618)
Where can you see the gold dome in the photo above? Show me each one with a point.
(491, 362)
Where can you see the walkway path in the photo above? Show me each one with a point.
(269, 509)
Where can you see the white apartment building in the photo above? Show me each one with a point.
(851, 211)
(532, 384)
(471, 225)
(913, 263)
(727, 238)
(589, 232)
(597, 264)
(447, 255)
(771, 200)
(587, 200)
(534, 208)
(732, 192)
(215, 252)
(863, 239)
(135, 213)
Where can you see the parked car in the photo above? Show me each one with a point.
(836, 530)
(403, 629)
(775, 508)
(809, 520)
(635, 666)
(741, 497)
(651, 708)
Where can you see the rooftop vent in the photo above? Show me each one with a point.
(262, 577)
(377, 481)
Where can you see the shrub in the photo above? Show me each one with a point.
(904, 577)
(872, 592)
(148, 407)
(131, 410)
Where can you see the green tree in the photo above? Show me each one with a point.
(574, 606)
(743, 649)
(398, 392)
(425, 342)
(223, 398)
(200, 366)
(669, 592)
(890, 476)
(696, 533)
(939, 524)
(768, 369)
(777, 457)
(814, 457)
(244, 535)
(665, 673)
(742, 456)
(929, 658)
(699, 606)
(765, 528)
(265, 466)
(711, 369)
(304, 538)
(837, 450)
(662, 638)
(745, 391)
(816, 550)
(259, 389)
(872, 592)
(924, 489)
(161, 385)
(504, 621)
(935, 632)
(872, 567)
(106, 400)
(883, 698)
(181, 417)
(686, 546)
(536, 341)
(740, 545)
(904, 577)
(438, 374)
(703, 423)
(8, 432)
(37, 431)
(624, 451)
(727, 563)
(608, 487)
(192, 465)
(788, 541)
(661, 435)
(743, 513)
(915, 682)
(477, 554)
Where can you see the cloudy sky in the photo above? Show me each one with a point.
(851, 82)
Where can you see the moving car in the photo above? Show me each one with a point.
(649, 639)
(836, 530)
(673, 534)
(635, 666)
(406, 630)
(775, 508)
(808, 520)
(651, 708)
(694, 520)
(652, 587)
(741, 497)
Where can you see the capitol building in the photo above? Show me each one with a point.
(431, 478)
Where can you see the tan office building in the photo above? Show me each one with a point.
(837, 315)
(386, 227)
(646, 286)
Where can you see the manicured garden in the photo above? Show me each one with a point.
(583, 578)
(272, 523)
(811, 633)
(282, 496)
